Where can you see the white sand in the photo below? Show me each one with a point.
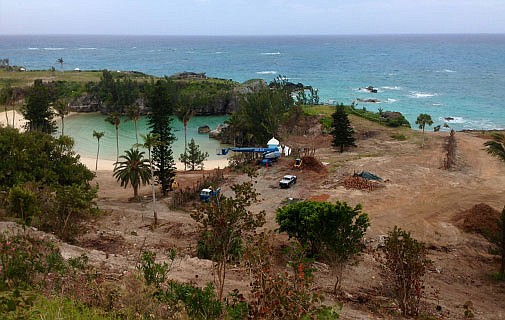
(19, 121)
(108, 165)
(104, 164)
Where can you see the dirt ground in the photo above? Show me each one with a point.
(418, 196)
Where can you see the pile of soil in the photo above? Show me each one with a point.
(481, 219)
(313, 164)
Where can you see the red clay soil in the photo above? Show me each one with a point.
(319, 197)
(481, 219)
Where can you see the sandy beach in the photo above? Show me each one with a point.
(103, 164)
(108, 165)
(19, 121)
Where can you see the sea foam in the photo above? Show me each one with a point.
(420, 95)
(266, 72)
(54, 49)
(391, 88)
(270, 53)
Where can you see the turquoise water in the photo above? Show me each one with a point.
(457, 76)
(81, 127)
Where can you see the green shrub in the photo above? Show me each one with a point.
(324, 227)
(399, 137)
(199, 303)
(22, 203)
(23, 259)
(154, 273)
(236, 306)
(16, 304)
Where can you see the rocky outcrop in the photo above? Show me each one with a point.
(223, 105)
(391, 115)
(188, 75)
(86, 103)
(204, 129)
(371, 89)
(216, 133)
(227, 135)
(369, 100)
(394, 119)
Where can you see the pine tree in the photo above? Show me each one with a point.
(37, 113)
(193, 157)
(342, 130)
(160, 102)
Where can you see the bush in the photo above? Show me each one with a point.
(65, 209)
(324, 227)
(24, 259)
(405, 264)
(199, 303)
(154, 273)
(399, 137)
(282, 295)
(22, 203)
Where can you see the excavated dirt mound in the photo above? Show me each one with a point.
(313, 164)
(481, 219)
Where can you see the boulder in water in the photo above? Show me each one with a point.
(204, 129)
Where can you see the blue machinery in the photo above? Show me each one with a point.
(268, 154)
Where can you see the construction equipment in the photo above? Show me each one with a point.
(268, 154)
(207, 193)
(298, 163)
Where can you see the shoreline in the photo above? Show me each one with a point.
(108, 165)
(104, 164)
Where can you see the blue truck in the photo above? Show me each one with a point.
(207, 193)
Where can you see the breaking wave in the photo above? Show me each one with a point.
(421, 95)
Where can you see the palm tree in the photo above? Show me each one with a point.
(151, 141)
(133, 113)
(114, 118)
(134, 170)
(184, 113)
(98, 136)
(496, 147)
(62, 108)
(424, 119)
(60, 61)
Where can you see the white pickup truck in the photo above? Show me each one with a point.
(287, 181)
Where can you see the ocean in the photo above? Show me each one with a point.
(456, 77)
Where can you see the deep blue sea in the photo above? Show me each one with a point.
(458, 76)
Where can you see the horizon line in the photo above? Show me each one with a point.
(253, 35)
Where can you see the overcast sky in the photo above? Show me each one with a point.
(250, 17)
